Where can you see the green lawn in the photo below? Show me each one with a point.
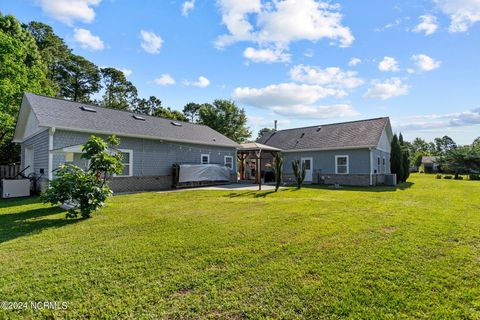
(383, 253)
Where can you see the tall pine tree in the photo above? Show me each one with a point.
(396, 159)
(405, 158)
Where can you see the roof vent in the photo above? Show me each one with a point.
(87, 109)
(138, 117)
(319, 128)
(176, 124)
(303, 134)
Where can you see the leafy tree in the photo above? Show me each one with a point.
(278, 169)
(396, 159)
(55, 53)
(119, 92)
(460, 160)
(225, 117)
(476, 143)
(166, 112)
(299, 171)
(404, 146)
(148, 106)
(444, 144)
(86, 191)
(191, 111)
(81, 79)
(21, 69)
(264, 131)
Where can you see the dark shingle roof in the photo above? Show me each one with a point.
(59, 113)
(363, 133)
(429, 159)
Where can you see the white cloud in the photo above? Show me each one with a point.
(331, 77)
(463, 14)
(388, 64)
(87, 40)
(69, 11)
(266, 55)
(425, 63)
(278, 23)
(151, 42)
(309, 53)
(126, 72)
(202, 82)
(187, 6)
(390, 88)
(317, 112)
(440, 121)
(164, 80)
(354, 62)
(428, 25)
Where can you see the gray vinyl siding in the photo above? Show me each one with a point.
(324, 161)
(378, 153)
(39, 143)
(150, 157)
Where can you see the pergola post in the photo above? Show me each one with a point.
(258, 153)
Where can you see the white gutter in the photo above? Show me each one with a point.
(371, 166)
(50, 153)
(328, 149)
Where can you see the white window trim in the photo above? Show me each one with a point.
(384, 165)
(225, 161)
(130, 163)
(336, 164)
(205, 155)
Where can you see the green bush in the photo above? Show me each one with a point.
(299, 171)
(458, 178)
(448, 177)
(474, 177)
(438, 176)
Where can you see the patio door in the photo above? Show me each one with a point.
(309, 169)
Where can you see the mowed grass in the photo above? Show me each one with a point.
(376, 253)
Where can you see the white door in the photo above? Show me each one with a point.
(29, 156)
(309, 169)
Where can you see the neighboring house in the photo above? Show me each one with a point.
(350, 153)
(51, 132)
(429, 164)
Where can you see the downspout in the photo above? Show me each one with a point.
(371, 166)
(51, 131)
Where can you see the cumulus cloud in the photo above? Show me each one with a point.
(151, 42)
(425, 63)
(202, 82)
(278, 23)
(292, 99)
(164, 80)
(428, 25)
(354, 62)
(463, 14)
(332, 77)
(440, 121)
(388, 64)
(266, 55)
(87, 40)
(126, 72)
(187, 6)
(69, 11)
(390, 88)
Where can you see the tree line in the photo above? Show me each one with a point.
(34, 59)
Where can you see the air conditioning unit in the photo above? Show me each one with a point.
(391, 179)
(15, 188)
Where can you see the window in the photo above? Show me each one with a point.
(205, 159)
(341, 164)
(127, 162)
(379, 168)
(384, 166)
(229, 162)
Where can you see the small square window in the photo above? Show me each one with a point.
(229, 162)
(205, 159)
(341, 165)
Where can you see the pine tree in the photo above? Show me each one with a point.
(405, 159)
(396, 159)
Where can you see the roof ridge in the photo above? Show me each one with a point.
(125, 111)
(332, 124)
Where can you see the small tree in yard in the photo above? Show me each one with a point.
(396, 159)
(405, 158)
(460, 160)
(278, 169)
(86, 190)
(299, 171)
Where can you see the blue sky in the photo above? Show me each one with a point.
(302, 62)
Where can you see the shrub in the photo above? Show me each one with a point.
(458, 178)
(86, 191)
(299, 171)
(474, 177)
(438, 176)
(278, 168)
(448, 177)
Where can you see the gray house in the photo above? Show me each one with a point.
(51, 131)
(351, 153)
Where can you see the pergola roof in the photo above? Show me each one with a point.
(254, 146)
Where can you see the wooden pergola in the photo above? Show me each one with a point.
(254, 150)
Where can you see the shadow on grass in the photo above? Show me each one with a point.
(250, 194)
(27, 222)
(401, 186)
(14, 202)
